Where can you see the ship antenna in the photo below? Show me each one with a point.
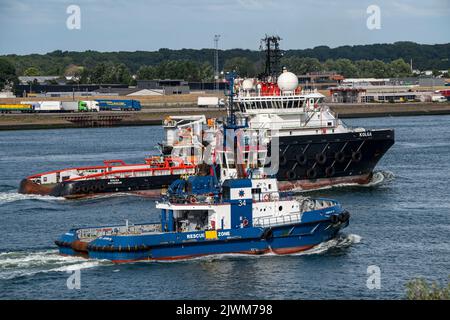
(232, 122)
(230, 76)
(270, 45)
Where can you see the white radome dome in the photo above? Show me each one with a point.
(287, 81)
(247, 84)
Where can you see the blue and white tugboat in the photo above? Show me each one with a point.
(200, 217)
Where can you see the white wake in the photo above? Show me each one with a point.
(12, 196)
(23, 263)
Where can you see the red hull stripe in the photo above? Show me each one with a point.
(276, 251)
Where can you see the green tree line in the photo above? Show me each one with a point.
(425, 57)
(378, 60)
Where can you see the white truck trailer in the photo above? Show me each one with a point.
(69, 106)
(49, 106)
(210, 102)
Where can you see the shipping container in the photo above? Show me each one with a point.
(48, 106)
(9, 108)
(69, 106)
(119, 105)
(34, 104)
(210, 102)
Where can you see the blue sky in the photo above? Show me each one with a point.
(28, 26)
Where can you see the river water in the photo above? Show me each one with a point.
(401, 224)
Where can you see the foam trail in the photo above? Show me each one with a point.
(342, 241)
(7, 197)
(24, 263)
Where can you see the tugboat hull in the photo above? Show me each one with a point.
(280, 240)
(146, 186)
(29, 187)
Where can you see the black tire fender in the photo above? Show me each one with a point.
(330, 171)
(301, 159)
(356, 156)
(291, 175)
(339, 156)
(311, 173)
(321, 158)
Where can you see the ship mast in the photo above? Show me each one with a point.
(270, 45)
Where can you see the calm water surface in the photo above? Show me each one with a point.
(401, 224)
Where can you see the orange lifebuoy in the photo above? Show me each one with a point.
(245, 222)
(266, 197)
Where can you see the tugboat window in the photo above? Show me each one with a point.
(256, 191)
(280, 208)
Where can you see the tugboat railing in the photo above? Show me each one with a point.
(274, 221)
(88, 233)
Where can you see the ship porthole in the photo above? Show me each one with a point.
(357, 156)
(280, 208)
(301, 159)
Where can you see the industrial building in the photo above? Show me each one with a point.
(367, 90)
(319, 80)
(167, 86)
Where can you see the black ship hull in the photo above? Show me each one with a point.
(305, 162)
(148, 186)
(308, 162)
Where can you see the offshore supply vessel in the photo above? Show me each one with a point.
(314, 148)
(310, 147)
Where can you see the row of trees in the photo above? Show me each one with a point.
(186, 70)
(7, 73)
(424, 57)
(119, 73)
(350, 69)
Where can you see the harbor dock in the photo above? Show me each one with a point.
(155, 109)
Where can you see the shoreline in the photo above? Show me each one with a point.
(153, 114)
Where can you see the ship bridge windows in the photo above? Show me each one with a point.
(256, 194)
(188, 221)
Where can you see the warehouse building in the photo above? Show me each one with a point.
(168, 86)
